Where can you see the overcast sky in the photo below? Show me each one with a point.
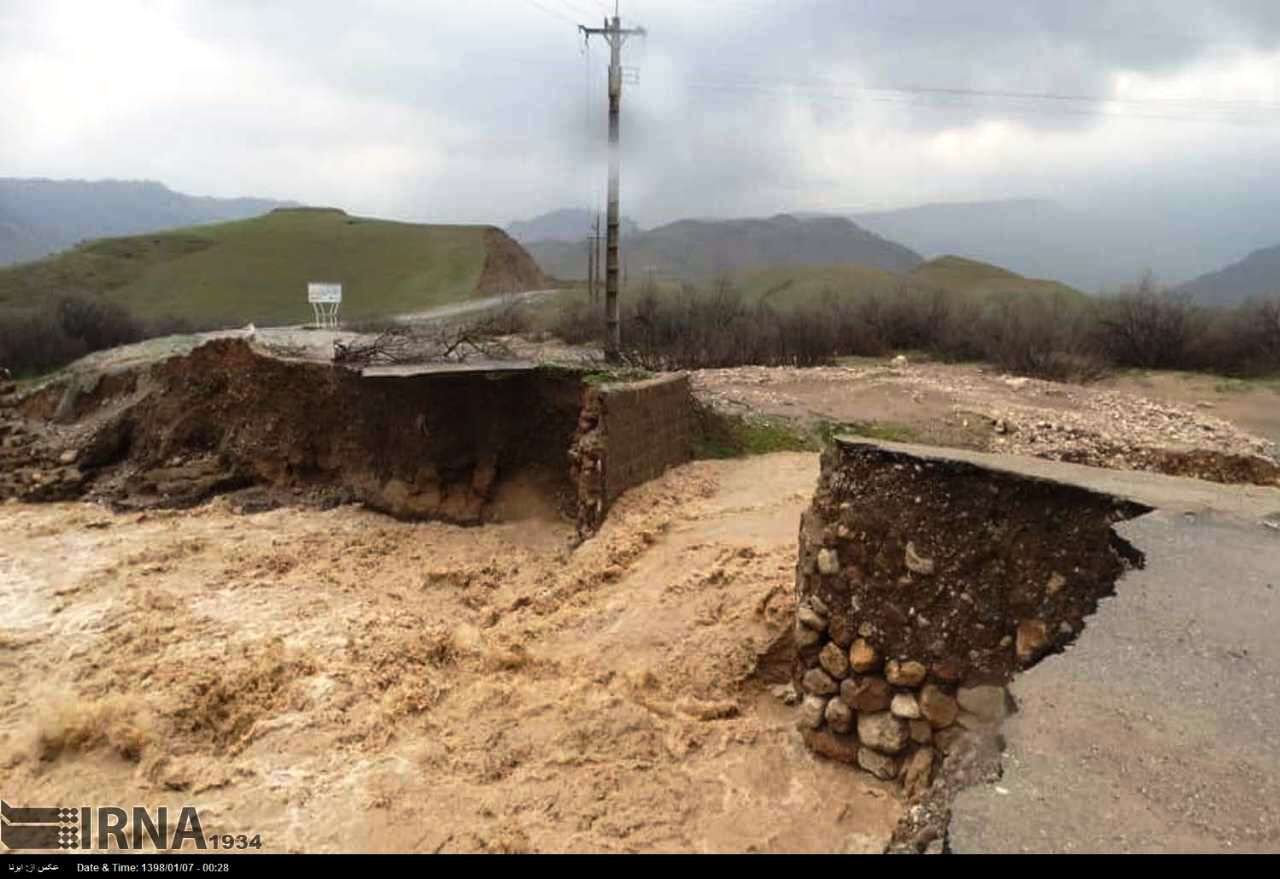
(490, 110)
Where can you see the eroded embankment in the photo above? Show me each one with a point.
(457, 448)
(924, 586)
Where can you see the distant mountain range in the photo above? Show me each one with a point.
(701, 249)
(39, 217)
(569, 224)
(1098, 249)
(1258, 274)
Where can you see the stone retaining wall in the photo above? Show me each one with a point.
(923, 586)
(628, 433)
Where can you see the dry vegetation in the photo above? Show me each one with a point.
(1058, 335)
(69, 325)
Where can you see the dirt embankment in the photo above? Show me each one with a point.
(508, 267)
(457, 448)
(924, 586)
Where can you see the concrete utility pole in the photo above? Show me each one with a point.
(595, 291)
(615, 35)
(591, 267)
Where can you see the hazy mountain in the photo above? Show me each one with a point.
(39, 217)
(1258, 274)
(569, 224)
(1103, 247)
(701, 249)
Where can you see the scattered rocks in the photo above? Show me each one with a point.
(834, 661)
(882, 732)
(863, 657)
(819, 683)
(905, 706)
(69, 456)
(905, 674)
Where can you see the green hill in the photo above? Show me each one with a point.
(257, 270)
(958, 275)
(801, 285)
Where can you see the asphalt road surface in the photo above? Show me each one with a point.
(1156, 731)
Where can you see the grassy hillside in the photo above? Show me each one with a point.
(958, 275)
(802, 285)
(257, 270)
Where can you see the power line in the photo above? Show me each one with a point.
(550, 11)
(919, 99)
(1238, 103)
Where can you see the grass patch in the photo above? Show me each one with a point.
(621, 375)
(886, 431)
(727, 436)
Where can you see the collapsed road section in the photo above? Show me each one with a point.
(463, 445)
(928, 579)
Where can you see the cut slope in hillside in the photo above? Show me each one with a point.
(700, 249)
(257, 270)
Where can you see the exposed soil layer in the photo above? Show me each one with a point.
(924, 585)
(943, 562)
(451, 447)
(508, 267)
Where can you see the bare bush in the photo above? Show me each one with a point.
(98, 322)
(1146, 328)
(441, 342)
(38, 339)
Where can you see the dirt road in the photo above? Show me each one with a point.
(337, 681)
(1185, 425)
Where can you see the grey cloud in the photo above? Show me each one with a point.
(742, 107)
